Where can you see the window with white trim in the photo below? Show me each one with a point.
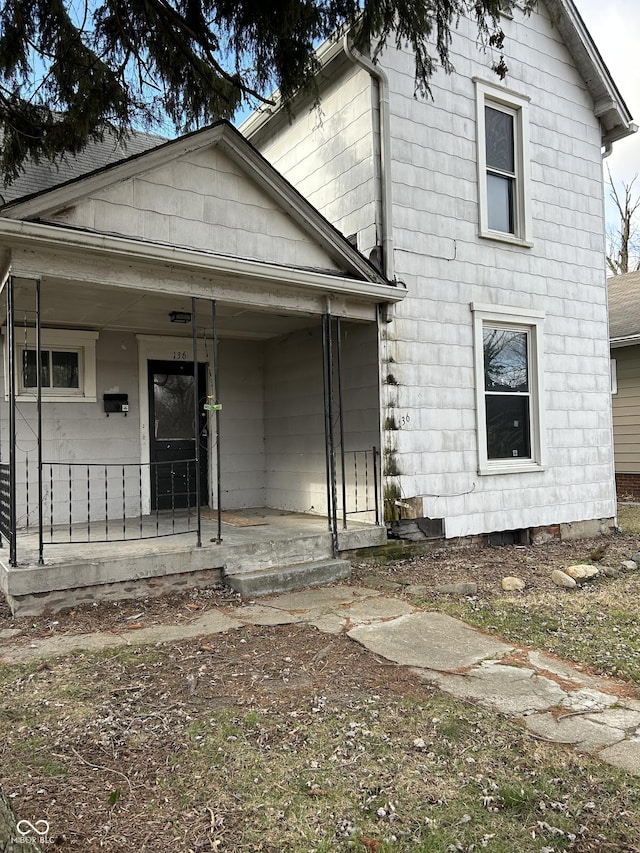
(503, 164)
(508, 389)
(67, 365)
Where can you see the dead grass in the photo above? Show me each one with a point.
(282, 739)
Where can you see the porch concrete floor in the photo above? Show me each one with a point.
(271, 524)
(75, 571)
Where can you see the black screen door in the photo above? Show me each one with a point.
(173, 436)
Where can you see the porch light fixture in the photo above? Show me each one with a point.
(180, 316)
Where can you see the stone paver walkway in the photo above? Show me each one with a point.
(556, 701)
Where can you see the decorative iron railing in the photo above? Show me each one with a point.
(98, 502)
(360, 478)
(6, 525)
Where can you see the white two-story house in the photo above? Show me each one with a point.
(486, 204)
(235, 355)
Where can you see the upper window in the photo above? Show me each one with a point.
(503, 164)
(508, 390)
(67, 365)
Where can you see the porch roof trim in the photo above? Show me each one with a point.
(14, 233)
(223, 135)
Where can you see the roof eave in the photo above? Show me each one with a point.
(609, 106)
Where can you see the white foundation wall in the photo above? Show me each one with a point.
(242, 440)
(446, 266)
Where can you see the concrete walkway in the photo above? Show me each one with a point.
(556, 701)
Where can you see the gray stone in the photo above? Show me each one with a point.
(610, 571)
(377, 582)
(211, 622)
(7, 633)
(581, 571)
(566, 671)
(636, 558)
(429, 641)
(625, 754)
(588, 699)
(512, 690)
(587, 735)
(629, 565)
(619, 718)
(561, 579)
(375, 609)
(513, 584)
(418, 589)
(464, 588)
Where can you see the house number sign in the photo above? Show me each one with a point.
(179, 355)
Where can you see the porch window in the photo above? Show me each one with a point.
(67, 367)
(508, 390)
(58, 369)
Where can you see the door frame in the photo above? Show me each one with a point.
(161, 348)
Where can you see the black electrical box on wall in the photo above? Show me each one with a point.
(116, 404)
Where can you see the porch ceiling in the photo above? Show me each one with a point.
(71, 305)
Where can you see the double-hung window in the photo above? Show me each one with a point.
(508, 389)
(503, 164)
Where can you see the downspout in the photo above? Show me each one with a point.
(386, 224)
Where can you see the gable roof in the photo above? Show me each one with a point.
(624, 309)
(50, 204)
(609, 106)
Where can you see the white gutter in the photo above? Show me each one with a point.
(626, 341)
(385, 152)
(14, 233)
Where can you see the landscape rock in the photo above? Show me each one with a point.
(636, 558)
(581, 571)
(513, 584)
(629, 565)
(464, 588)
(562, 579)
(610, 572)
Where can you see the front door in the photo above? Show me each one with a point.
(173, 434)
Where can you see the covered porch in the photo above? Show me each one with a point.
(104, 480)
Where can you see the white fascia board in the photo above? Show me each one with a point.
(610, 107)
(37, 235)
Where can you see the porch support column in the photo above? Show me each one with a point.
(341, 422)
(39, 423)
(216, 398)
(12, 421)
(330, 450)
(196, 415)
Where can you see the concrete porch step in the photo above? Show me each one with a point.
(282, 578)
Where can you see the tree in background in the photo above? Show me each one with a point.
(70, 69)
(623, 238)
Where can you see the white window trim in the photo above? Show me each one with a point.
(488, 95)
(531, 321)
(71, 340)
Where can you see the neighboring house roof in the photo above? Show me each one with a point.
(53, 206)
(624, 309)
(37, 177)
